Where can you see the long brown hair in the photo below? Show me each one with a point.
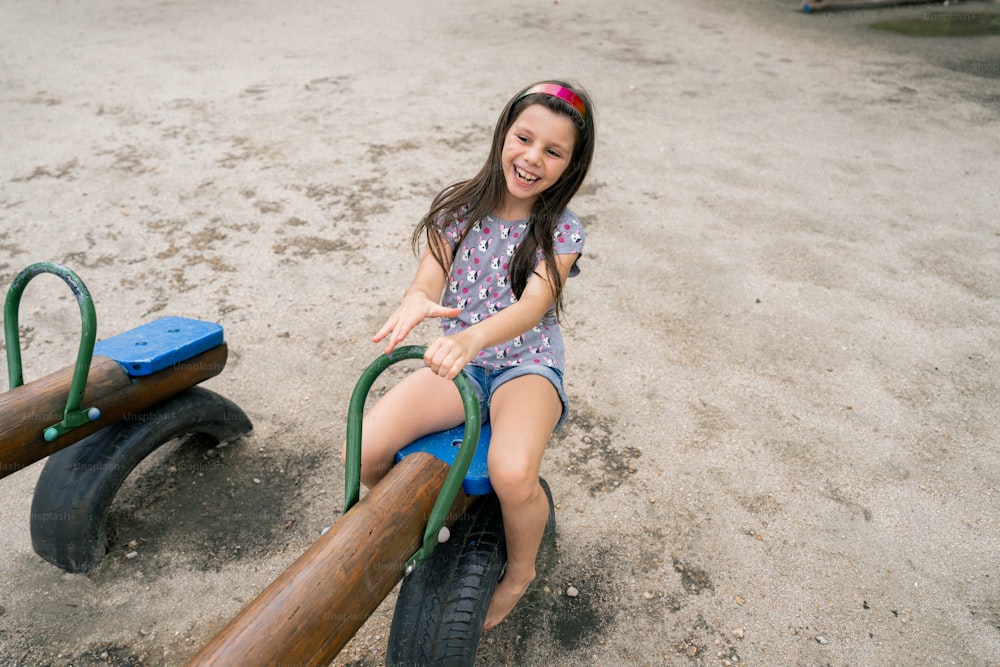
(473, 199)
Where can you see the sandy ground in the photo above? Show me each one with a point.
(784, 345)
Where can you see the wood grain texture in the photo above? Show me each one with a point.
(26, 411)
(307, 615)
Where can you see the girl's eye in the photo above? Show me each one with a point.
(523, 139)
(554, 153)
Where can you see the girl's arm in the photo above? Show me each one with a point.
(421, 300)
(448, 355)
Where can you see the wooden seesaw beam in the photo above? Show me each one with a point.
(310, 612)
(132, 371)
(26, 411)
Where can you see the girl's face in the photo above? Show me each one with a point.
(536, 152)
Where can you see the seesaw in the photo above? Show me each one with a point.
(124, 397)
(400, 528)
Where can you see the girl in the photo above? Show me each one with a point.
(500, 247)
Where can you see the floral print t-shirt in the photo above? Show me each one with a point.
(479, 284)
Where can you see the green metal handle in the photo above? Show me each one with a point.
(73, 416)
(452, 482)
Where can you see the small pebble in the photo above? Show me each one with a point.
(571, 592)
(256, 481)
(131, 554)
(821, 639)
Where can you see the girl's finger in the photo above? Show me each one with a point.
(389, 325)
(398, 334)
(433, 357)
(453, 371)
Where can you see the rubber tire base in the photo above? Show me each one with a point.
(442, 604)
(75, 489)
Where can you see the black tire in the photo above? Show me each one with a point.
(74, 492)
(442, 604)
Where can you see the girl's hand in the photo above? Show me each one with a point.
(448, 355)
(414, 309)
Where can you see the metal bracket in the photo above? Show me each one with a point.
(452, 482)
(73, 415)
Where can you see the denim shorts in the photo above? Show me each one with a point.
(485, 381)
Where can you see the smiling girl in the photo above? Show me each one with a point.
(499, 249)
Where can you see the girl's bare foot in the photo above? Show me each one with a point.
(505, 598)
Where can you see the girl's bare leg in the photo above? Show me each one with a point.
(419, 404)
(523, 414)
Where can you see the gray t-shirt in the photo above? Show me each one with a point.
(479, 284)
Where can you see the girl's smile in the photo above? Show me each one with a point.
(524, 176)
(536, 152)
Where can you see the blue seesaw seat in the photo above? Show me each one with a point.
(160, 344)
(444, 445)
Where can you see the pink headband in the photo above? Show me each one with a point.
(555, 90)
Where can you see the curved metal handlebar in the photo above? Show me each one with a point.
(452, 482)
(73, 416)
